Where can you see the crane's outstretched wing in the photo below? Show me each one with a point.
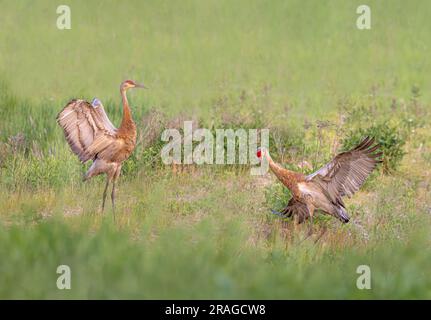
(294, 208)
(98, 106)
(347, 172)
(87, 129)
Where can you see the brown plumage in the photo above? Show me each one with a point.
(324, 189)
(92, 136)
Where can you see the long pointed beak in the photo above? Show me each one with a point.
(138, 85)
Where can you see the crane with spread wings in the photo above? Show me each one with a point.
(92, 136)
(324, 189)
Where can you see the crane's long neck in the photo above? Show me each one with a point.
(287, 177)
(127, 115)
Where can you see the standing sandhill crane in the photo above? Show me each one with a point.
(91, 135)
(324, 189)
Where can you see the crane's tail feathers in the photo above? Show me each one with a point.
(278, 213)
(342, 214)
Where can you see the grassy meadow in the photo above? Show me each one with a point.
(300, 68)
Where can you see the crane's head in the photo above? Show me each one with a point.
(261, 153)
(127, 84)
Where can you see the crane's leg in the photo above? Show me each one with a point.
(311, 211)
(105, 193)
(115, 176)
(113, 198)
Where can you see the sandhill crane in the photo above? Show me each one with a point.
(324, 189)
(91, 135)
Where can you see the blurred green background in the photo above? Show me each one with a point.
(190, 52)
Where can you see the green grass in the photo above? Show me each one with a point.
(206, 232)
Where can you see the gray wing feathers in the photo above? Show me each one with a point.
(347, 172)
